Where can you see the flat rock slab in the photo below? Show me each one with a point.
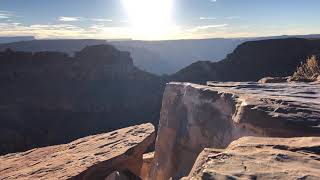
(92, 157)
(276, 106)
(261, 158)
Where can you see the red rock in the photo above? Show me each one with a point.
(261, 158)
(146, 165)
(194, 117)
(92, 157)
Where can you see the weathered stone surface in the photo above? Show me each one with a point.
(261, 158)
(281, 109)
(274, 79)
(93, 157)
(146, 165)
(194, 117)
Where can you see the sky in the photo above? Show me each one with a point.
(158, 19)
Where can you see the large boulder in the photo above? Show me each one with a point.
(92, 157)
(261, 158)
(194, 117)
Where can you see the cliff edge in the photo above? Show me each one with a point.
(194, 117)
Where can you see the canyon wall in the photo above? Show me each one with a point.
(50, 98)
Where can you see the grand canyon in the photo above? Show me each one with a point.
(159, 90)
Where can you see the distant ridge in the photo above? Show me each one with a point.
(69, 46)
(252, 61)
(10, 39)
(157, 57)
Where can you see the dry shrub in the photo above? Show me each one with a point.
(309, 71)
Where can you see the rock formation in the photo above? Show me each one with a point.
(52, 98)
(92, 157)
(261, 158)
(44, 94)
(69, 46)
(194, 117)
(201, 135)
(252, 61)
(42, 90)
(146, 165)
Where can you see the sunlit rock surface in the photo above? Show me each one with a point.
(276, 109)
(194, 117)
(261, 158)
(146, 165)
(92, 157)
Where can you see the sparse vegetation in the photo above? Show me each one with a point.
(308, 71)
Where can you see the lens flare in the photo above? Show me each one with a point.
(149, 19)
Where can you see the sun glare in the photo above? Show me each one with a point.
(149, 19)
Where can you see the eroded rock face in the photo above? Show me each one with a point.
(252, 61)
(92, 157)
(44, 94)
(279, 110)
(146, 165)
(261, 158)
(194, 117)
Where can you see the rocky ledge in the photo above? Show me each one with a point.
(194, 117)
(219, 131)
(92, 157)
(261, 158)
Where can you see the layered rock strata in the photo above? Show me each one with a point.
(92, 157)
(194, 117)
(261, 158)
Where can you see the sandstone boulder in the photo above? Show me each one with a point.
(261, 158)
(92, 157)
(194, 117)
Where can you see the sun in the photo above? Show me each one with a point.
(149, 19)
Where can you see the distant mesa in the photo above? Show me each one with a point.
(105, 53)
(12, 39)
(252, 61)
(69, 46)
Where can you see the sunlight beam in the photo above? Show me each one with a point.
(149, 19)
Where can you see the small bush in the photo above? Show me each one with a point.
(309, 71)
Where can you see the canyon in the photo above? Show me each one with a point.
(50, 98)
(208, 121)
(101, 89)
(239, 130)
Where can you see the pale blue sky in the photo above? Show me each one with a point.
(158, 19)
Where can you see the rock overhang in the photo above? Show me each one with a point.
(92, 157)
(194, 117)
